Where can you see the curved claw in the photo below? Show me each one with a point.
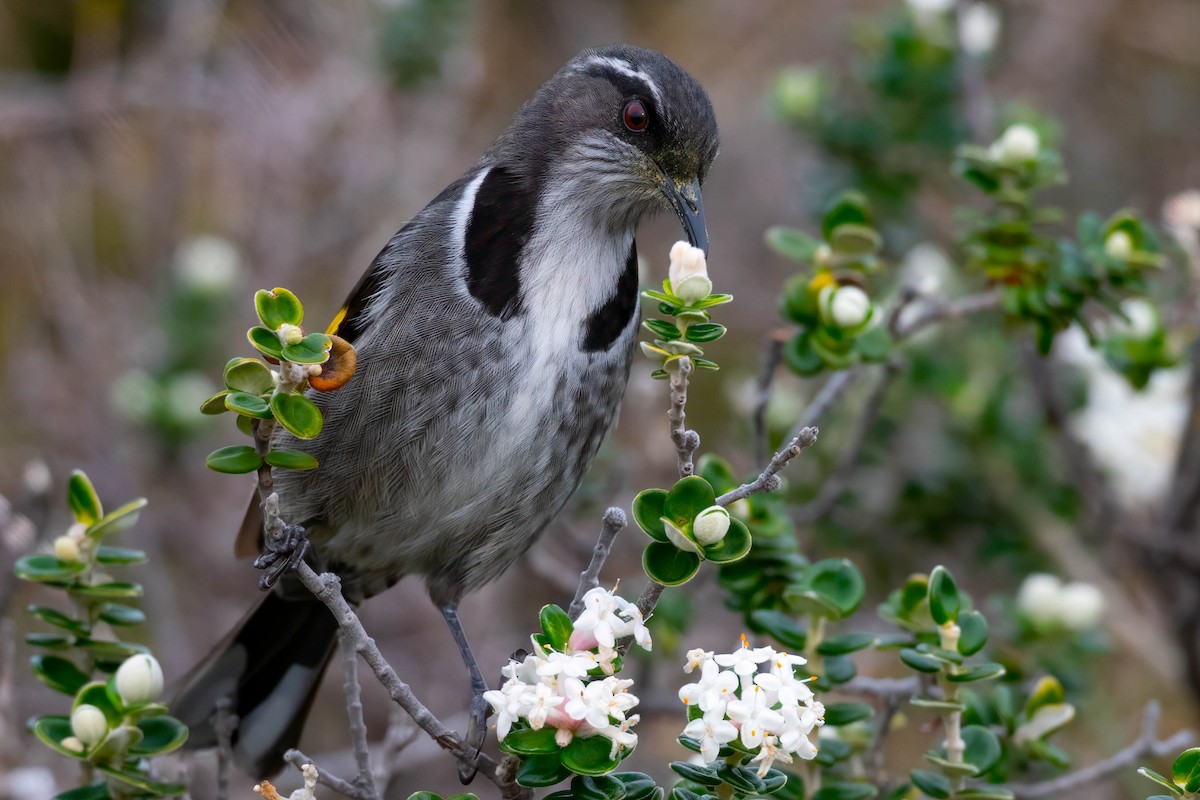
(476, 736)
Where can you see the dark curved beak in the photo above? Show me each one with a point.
(685, 200)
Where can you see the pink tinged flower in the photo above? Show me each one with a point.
(769, 754)
(563, 736)
(711, 732)
(599, 617)
(755, 717)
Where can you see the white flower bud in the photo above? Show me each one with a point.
(1081, 606)
(1040, 598)
(1018, 145)
(290, 334)
(978, 28)
(314, 370)
(689, 273)
(711, 525)
(849, 307)
(1119, 244)
(89, 724)
(73, 744)
(67, 549)
(823, 256)
(139, 680)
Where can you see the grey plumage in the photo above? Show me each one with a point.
(495, 334)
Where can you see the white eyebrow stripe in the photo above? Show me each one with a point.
(625, 68)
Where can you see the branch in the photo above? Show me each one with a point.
(772, 356)
(614, 521)
(1147, 744)
(837, 482)
(354, 710)
(686, 441)
(768, 481)
(886, 689)
(339, 785)
(940, 310)
(831, 390)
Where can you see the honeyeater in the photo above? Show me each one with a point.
(494, 333)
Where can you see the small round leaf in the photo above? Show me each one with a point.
(291, 459)
(234, 460)
(298, 414)
(667, 564)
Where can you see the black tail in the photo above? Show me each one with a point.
(269, 667)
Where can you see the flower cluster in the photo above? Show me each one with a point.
(1048, 604)
(574, 690)
(771, 713)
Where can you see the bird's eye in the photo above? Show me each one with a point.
(636, 118)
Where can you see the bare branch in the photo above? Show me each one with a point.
(837, 482)
(1147, 745)
(339, 785)
(772, 356)
(940, 310)
(900, 689)
(686, 441)
(354, 710)
(768, 481)
(614, 521)
(831, 390)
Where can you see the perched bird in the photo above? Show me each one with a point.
(495, 334)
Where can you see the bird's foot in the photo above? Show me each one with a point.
(473, 741)
(282, 556)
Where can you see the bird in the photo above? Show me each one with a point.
(495, 334)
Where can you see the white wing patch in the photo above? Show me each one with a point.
(461, 217)
(625, 68)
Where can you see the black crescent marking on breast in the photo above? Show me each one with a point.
(606, 323)
(497, 231)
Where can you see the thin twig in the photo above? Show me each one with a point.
(1147, 745)
(401, 732)
(768, 480)
(772, 356)
(838, 481)
(649, 598)
(898, 689)
(614, 521)
(365, 780)
(227, 723)
(943, 310)
(325, 778)
(831, 390)
(686, 441)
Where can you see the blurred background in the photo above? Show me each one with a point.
(162, 159)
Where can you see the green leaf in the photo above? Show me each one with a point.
(854, 239)
(215, 404)
(249, 375)
(598, 787)
(873, 343)
(839, 669)
(977, 672)
(1146, 772)
(983, 748)
(791, 243)
(638, 786)
(51, 730)
(648, 512)
(920, 661)
(159, 735)
(530, 742)
(837, 714)
(82, 498)
(235, 459)
(800, 356)
(142, 781)
(848, 207)
(93, 791)
(45, 567)
(931, 783)
(287, 306)
(291, 459)
(704, 332)
(108, 651)
(1185, 772)
(667, 331)
(781, 627)
(914, 592)
(952, 769)
(49, 641)
(742, 779)
(244, 424)
(267, 309)
(833, 588)
(52, 616)
(667, 564)
(713, 300)
(248, 405)
(58, 673)
(940, 706)
(984, 793)
(1047, 692)
(704, 363)
(298, 414)
(96, 694)
(112, 590)
(119, 519)
(846, 643)
(974, 634)
(944, 602)
(122, 615)
(107, 554)
(312, 349)
(733, 547)
(556, 625)
(589, 756)
(845, 791)
(703, 775)
(265, 342)
(687, 498)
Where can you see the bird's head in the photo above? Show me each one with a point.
(622, 131)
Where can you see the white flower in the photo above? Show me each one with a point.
(571, 666)
(1019, 144)
(508, 703)
(289, 333)
(756, 718)
(139, 680)
(66, 549)
(696, 658)
(688, 273)
(621, 736)
(713, 691)
(711, 732)
(711, 525)
(769, 754)
(89, 724)
(1118, 244)
(539, 703)
(978, 28)
(599, 617)
(1081, 606)
(523, 672)
(849, 307)
(636, 627)
(208, 264)
(1039, 599)
(931, 6)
